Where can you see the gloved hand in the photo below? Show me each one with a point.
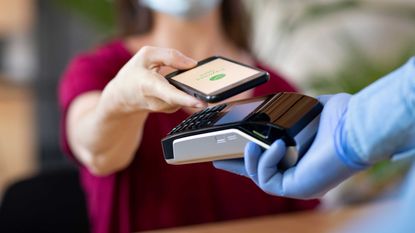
(321, 168)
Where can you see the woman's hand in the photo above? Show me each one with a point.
(139, 87)
(105, 128)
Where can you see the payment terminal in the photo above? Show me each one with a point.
(222, 131)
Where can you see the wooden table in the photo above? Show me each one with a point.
(304, 222)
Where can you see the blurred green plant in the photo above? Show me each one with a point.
(100, 13)
(313, 11)
(357, 70)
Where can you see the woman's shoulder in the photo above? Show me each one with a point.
(92, 70)
(97, 65)
(106, 55)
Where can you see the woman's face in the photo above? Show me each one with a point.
(185, 9)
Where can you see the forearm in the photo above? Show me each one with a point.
(380, 121)
(105, 129)
(103, 140)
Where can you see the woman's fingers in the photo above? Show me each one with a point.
(173, 96)
(153, 57)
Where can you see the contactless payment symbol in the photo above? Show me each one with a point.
(217, 77)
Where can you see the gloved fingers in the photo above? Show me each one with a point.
(235, 166)
(252, 155)
(269, 176)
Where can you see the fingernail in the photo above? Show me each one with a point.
(200, 105)
(190, 61)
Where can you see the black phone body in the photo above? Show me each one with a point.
(217, 78)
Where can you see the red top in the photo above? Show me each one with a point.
(149, 193)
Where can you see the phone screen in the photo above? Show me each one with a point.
(215, 75)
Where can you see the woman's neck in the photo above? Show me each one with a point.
(198, 38)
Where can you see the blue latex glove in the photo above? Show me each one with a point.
(320, 169)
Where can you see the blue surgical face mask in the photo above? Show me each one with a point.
(186, 9)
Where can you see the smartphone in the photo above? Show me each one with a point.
(217, 78)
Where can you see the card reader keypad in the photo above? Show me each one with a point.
(199, 119)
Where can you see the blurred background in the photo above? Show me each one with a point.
(323, 46)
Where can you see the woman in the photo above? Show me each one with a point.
(117, 106)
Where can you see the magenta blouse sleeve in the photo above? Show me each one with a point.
(88, 72)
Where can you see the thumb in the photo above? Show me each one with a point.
(153, 57)
(174, 96)
(323, 99)
(269, 177)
